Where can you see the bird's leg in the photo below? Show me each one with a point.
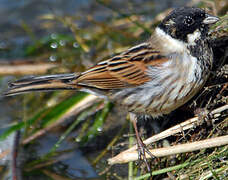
(142, 149)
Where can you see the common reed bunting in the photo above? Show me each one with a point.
(152, 78)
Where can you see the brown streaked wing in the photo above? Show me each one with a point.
(126, 70)
(99, 77)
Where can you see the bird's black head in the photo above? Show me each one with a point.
(183, 22)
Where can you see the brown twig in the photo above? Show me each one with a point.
(25, 67)
(166, 151)
(190, 123)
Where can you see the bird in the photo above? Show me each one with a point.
(152, 78)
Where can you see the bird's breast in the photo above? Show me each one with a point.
(171, 85)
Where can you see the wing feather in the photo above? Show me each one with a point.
(125, 70)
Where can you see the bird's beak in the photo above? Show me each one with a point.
(210, 19)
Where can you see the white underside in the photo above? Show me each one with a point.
(167, 81)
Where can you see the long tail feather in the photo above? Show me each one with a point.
(42, 83)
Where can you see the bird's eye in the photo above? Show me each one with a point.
(188, 21)
(202, 15)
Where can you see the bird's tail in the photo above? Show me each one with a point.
(42, 83)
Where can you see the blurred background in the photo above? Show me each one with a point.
(70, 135)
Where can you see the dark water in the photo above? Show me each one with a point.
(13, 38)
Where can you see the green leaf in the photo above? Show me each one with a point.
(19, 125)
(60, 109)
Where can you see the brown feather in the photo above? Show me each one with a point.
(125, 70)
(128, 69)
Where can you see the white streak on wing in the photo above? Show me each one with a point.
(103, 62)
(135, 47)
